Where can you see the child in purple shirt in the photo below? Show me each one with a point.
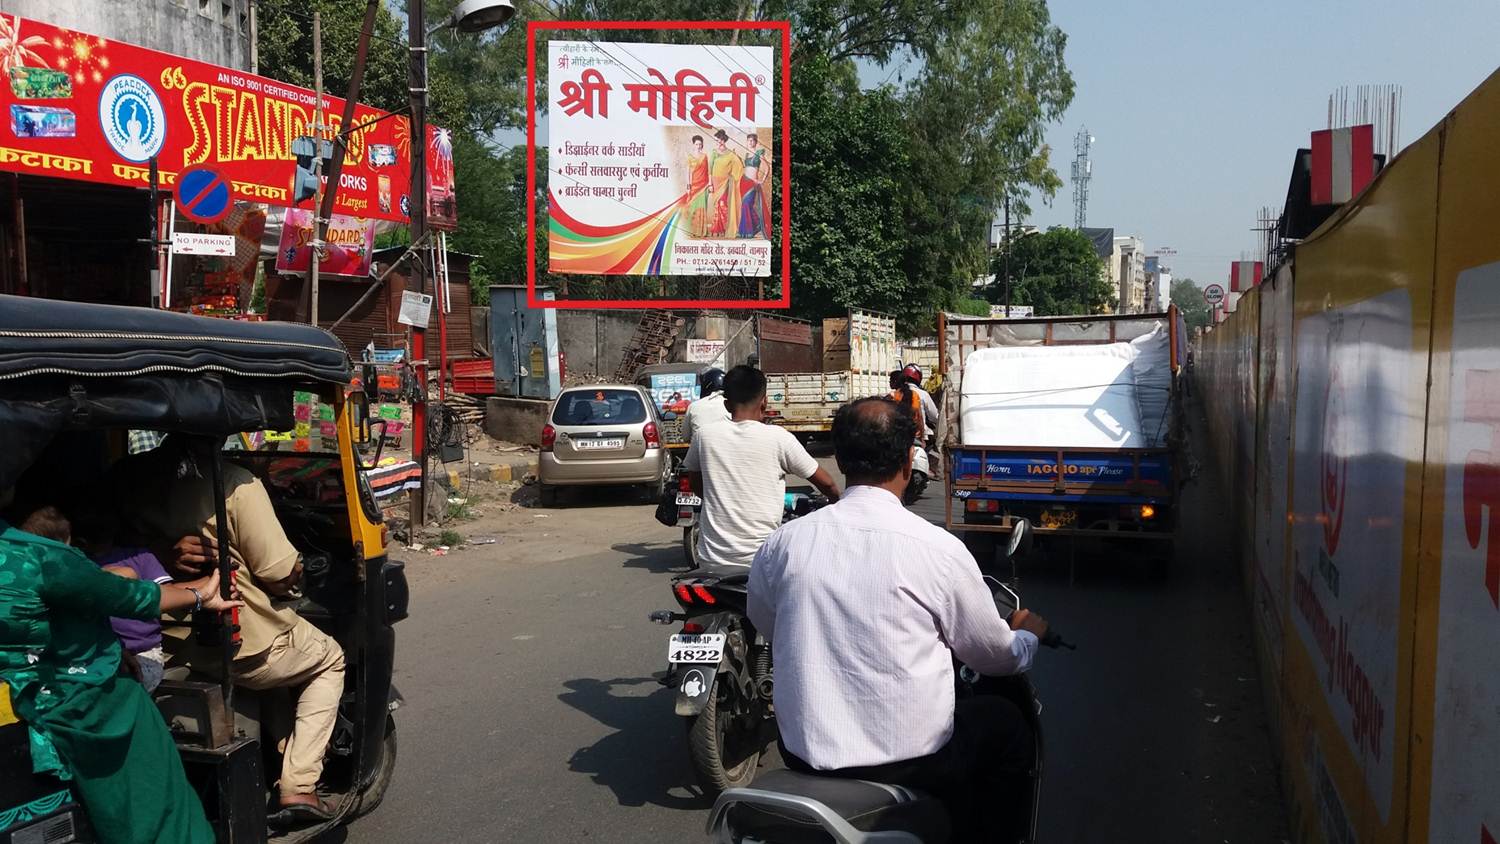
(142, 638)
(95, 535)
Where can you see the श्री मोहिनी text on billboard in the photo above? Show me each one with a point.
(659, 158)
(78, 106)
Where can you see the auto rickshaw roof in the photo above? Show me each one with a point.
(672, 369)
(49, 337)
(75, 366)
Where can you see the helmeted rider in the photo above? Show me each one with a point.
(709, 407)
(929, 407)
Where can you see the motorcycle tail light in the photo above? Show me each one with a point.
(683, 484)
(692, 627)
(704, 595)
(683, 595)
(1148, 511)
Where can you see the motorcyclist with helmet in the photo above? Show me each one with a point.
(709, 407)
(913, 375)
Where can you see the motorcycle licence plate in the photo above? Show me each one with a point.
(696, 647)
(685, 499)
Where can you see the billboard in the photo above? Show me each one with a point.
(347, 250)
(659, 158)
(80, 106)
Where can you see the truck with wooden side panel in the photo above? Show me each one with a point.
(1071, 423)
(858, 353)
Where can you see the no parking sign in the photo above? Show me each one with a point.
(203, 195)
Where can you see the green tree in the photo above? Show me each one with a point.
(894, 188)
(1057, 272)
(284, 35)
(1188, 297)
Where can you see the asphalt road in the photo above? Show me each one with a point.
(532, 714)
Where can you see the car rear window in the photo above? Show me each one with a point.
(590, 407)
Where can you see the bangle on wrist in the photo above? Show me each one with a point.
(197, 598)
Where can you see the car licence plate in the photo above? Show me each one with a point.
(696, 647)
(598, 445)
(685, 499)
(1059, 518)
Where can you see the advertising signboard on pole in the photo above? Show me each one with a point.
(660, 159)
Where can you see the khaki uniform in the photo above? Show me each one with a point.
(279, 649)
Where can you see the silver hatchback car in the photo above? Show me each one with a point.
(602, 434)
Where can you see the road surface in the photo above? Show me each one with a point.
(532, 714)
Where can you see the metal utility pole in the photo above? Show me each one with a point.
(254, 41)
(416, 34)
(1007, 256)
(317, 246)
(340, 140)
(1083, 171)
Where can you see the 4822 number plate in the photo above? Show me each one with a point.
(695, 647)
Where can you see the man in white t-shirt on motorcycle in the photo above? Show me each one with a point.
(740, 469)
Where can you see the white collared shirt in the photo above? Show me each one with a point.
(867, 604)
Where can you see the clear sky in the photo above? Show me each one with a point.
(1198, 105)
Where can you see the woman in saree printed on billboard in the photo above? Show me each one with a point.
(695, 200)
(755, 188)
(724, 172)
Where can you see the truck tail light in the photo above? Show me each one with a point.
(1148, 511)
(982, 505)
(549, 437)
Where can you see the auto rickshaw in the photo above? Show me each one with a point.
(74, 380)
(673, 386)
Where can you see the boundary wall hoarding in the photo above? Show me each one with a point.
(1354, 408)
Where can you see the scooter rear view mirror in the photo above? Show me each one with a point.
(1020, 539)
(1006, 600)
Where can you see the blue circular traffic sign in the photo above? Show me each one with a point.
(203, 195)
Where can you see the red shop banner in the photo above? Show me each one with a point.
(79, 106)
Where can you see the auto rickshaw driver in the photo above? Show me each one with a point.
(166, 496)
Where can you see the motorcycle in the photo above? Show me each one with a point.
(921, 470)
(784, 806)
(722, 669)
(689, 518)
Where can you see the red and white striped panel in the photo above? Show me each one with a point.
(1343, 163)
(1244, 275)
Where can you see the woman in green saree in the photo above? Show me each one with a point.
(89, 723)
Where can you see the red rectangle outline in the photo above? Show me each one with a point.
(785, 27)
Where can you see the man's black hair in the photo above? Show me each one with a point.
(744, 385)
(872, 439)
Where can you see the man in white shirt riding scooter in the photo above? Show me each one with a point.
(866, 606)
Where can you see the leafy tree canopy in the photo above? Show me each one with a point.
(893, 188)
(1188, 297)
(1057, 272)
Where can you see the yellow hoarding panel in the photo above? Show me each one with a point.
(1375, 399)
(1362, 302)
(1456, 771)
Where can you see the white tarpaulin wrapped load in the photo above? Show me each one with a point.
(1110, 395)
